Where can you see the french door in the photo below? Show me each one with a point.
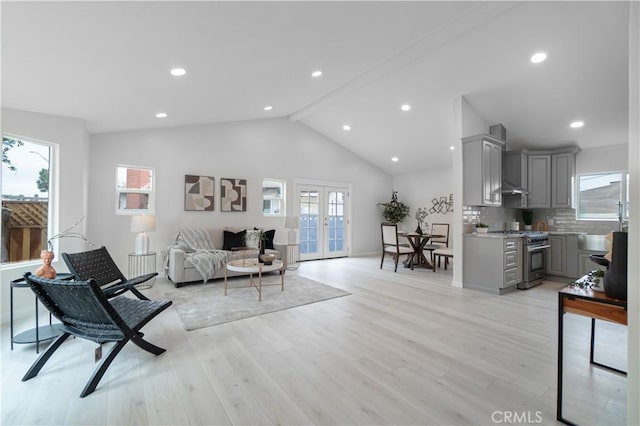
(324, 221)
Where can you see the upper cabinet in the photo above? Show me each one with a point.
(550, 177)
(539, 181)
(482, 170)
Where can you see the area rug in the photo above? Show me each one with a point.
(204, 305)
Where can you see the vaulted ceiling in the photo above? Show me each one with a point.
(108, 63)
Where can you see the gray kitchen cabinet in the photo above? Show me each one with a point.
(482, 170)
(557, 255)
(538, 181)
(492, 263)
(550, 178)
(562, 176)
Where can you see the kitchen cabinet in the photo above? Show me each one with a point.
(482, 170)
(562, 177)
(538, 181)
(550, 178)
(562, 256)
(492, 263)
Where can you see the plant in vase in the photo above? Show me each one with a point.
(527, 218)
(420, 216)
(394, 211)
(482, 228)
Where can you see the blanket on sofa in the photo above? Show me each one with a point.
(199, 251)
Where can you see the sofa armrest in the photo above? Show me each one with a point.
(282, 248)
(176, 265)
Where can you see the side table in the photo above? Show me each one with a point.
(293, 256)
(142, 264)
(39, 333)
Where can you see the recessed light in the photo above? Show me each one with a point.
(538, 57)
(405, 107)
(178, 72)
(346, 127)
(268, 108)
(161, 115)
(395, 159)
(452, 147)
(316, 74)
(576, 124)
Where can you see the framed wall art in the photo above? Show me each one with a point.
(199, 193)
(233, 195)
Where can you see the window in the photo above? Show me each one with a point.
(273, 191)
(25, 199)
(134, 190)
(602, 195)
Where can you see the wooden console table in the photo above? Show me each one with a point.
(594, 305)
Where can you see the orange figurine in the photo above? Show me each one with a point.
(46, 270)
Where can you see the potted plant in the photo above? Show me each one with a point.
(527, 218)
(394, 211)
(482, 228)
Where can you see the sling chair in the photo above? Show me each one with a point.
(99, 265)
(85, 312)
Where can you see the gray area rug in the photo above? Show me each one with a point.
(204, 305)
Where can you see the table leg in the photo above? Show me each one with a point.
(560, 357)
(225, 280)
(37, 329)
(260, 285)
(282, 280)
(592, 350)
(11, 314)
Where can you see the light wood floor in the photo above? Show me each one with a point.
(404, 348)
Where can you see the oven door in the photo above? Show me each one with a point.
(535, 262)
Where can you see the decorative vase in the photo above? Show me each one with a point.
(482, 230)
(46, 270)
(419, 230)
(261, 251)
(615, 279)
(527, 227)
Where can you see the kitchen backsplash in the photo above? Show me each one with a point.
(564, 220)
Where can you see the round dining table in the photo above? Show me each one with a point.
(417, 242)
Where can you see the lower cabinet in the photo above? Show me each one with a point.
(492, 264)
(585, 264)
(562, 256)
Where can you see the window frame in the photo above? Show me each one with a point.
(624, 190)
(282, 198)
(150, 210)
(52, 205)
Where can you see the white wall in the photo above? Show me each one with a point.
(70, 139)
(276, 148)
(603, 159)
(419, 189)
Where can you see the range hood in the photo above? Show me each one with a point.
(511, 189)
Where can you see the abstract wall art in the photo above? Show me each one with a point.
(233, 195)
(199, 193)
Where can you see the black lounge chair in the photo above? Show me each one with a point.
(98, 265)
(85, 312)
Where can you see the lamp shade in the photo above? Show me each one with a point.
(291, 222)
(143, 223)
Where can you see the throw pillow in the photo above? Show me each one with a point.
(233, 239)
(268, 238)
(253, 238)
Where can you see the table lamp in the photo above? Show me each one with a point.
(292, 223)
(142, 225)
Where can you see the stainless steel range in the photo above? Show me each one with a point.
(534, 258)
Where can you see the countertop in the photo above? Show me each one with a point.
(495, 235)
(566, 233)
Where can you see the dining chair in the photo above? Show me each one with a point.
(437, 242)
(390, 245)
(444, 252)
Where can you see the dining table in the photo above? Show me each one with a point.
(417, 242)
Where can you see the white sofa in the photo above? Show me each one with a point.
(180, 271)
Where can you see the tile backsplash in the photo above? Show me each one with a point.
(564, 220)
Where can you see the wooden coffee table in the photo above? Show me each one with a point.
(252, 266)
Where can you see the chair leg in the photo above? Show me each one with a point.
(143, 344)
(396, 258)
(382, 260)
(102, 368)
(44, 357)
